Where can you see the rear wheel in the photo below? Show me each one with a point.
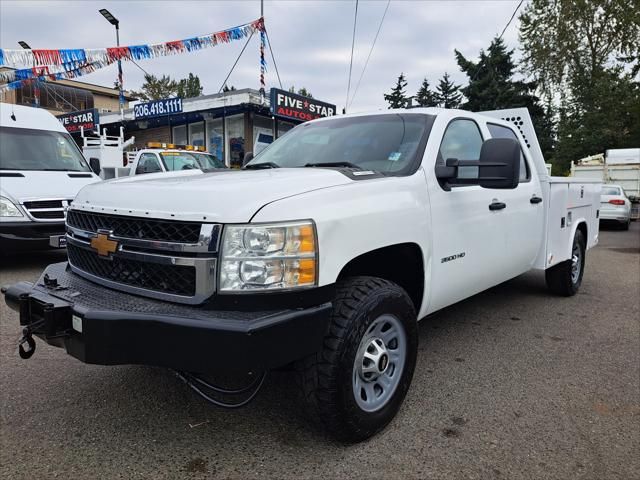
(355, 385)
(566, 277)
(625, 226)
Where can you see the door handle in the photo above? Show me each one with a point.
(497, 206)
(535, 199)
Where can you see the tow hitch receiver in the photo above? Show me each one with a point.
(42, 315)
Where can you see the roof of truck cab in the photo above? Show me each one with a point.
(18, 116)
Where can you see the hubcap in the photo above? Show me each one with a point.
(576, 263)
(379, 363)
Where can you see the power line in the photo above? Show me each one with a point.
(136, 64)
(273, 58)
(355, 92)
(500, 37)
(236, 62)
(353, 41)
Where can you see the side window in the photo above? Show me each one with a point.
(462, 140)
(148, 163)
(498, 131)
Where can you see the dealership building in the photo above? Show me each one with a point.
(227, 124)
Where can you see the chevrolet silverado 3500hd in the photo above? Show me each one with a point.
(324, 251)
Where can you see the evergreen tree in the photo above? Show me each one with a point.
(447, 93)
(228, 88)
(397, 98)
(301, 91)
(492, 86)
(189, 87)
(155, 88)
(425, 96)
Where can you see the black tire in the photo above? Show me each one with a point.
(326, 378)
(560, 279)
(625, 226)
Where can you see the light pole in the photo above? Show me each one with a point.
(36, 83)
(116, 23)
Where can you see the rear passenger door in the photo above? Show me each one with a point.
(524, 213)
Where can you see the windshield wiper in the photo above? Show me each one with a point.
(258, 166)
(334, 164)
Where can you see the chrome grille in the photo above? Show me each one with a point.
(169, 260)
(53, 209)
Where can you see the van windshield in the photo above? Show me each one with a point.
(383, 143)
(27, 149)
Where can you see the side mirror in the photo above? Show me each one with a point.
(499, 163)
(498, 166)
(247, 158)
(94, 163)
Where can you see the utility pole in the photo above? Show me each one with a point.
(116, 23)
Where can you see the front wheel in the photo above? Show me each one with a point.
(356, 383)
(565, 278)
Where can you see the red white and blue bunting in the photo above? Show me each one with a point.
(60, 64)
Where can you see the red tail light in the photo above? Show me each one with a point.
(616, 202)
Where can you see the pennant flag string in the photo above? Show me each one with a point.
(42, 64)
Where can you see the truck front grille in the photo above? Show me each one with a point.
(134, 227)
(47, 209)
(171, 279)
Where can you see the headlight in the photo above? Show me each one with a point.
(268, 257)
(8, 209)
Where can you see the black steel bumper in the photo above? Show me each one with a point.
(16, 236)
(106, 327)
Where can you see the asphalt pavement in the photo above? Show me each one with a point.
(512, 383)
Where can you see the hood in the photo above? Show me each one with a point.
(231, 196)
(42, 185)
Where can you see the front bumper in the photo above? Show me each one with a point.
(101, 326)
(28, 235)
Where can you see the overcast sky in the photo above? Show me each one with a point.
(311, 40)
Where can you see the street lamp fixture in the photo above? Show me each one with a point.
(116, 23)
(24, 45)
(110, 18)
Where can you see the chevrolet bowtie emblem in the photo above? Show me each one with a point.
(103, 245)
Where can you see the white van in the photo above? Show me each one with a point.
(41, 171)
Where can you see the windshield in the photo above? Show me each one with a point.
(610, 191)
(27, 149)
(384, 143)
(190, 161)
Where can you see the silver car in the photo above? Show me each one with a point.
(615, 206)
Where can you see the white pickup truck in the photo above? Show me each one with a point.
(324, 252)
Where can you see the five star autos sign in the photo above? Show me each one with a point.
(291, 105)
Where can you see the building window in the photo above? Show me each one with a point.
(235, 140)
(196, 134)
(215, 138)
(180, 135)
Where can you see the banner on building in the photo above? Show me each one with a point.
(73, 121)
(298, 107)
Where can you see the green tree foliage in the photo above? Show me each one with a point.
(425, 96)
(447, 93)
(155, 88)
(301, 91)
(228, 88)
(563, 39)
(586, 52)
(492, 86)
(397, 97)
(189, 87)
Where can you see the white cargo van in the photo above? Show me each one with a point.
(41, 171)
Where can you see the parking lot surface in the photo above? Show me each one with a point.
(512, 383)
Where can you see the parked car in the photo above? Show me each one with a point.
(324, 252)
(615, 206)
(158, 157)
(41, 171)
